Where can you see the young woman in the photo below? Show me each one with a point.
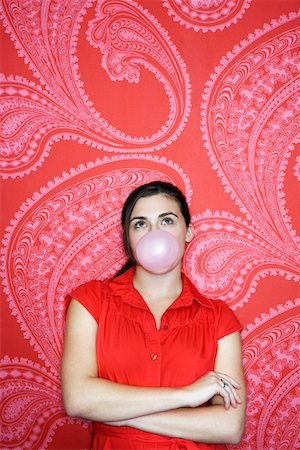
(147, 358)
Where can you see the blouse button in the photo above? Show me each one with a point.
(153, 356)
(166, 327)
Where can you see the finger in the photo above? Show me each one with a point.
(236, 395)
(227, 378)
(230, 391)
(225, 394)
(233, 395)
(230, 380)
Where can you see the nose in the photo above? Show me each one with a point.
(154, 227)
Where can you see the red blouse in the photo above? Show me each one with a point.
(131, 350)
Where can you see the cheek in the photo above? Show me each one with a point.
(183, 242)
(134, 237)
(180, 236)
(182, 245)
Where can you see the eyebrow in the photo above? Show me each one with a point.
(170, 213)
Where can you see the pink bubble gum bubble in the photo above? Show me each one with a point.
(157, 251)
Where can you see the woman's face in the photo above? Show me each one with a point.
(158, 212)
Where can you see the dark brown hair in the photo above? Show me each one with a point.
(148, 190)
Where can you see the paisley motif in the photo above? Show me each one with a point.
(33, 116)
(31, 407)
(206, 15)
(228, 256)
(271, 362)
(250, 121)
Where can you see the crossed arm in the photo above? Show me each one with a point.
(175, 412)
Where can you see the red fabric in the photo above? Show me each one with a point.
(127, 438)
(131, 350)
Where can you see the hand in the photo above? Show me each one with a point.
(211, 384)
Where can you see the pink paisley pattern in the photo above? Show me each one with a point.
(65, 235)
(33, 117)
(206, 15)
(68, 231)
(229, 256)
(250, 120)
(271, 362)
(31, 407)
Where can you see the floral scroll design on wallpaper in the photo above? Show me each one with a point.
(31, 407)
(46, 35)
(271, 362)
(250, 122)
(206, 15)
(65, 235)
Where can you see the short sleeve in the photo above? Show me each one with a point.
(226, 322)
(89, 295)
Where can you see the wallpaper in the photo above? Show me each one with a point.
(98, 97)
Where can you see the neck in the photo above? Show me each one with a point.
(163, 286)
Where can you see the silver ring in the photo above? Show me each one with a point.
(225, 385)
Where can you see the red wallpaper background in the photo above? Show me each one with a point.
(98, 97)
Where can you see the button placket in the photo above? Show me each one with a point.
(152, 339)
(165, 321)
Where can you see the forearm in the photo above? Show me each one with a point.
(103, 401)
(208, 424)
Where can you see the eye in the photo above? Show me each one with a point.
(167, 221)
(139, 224)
